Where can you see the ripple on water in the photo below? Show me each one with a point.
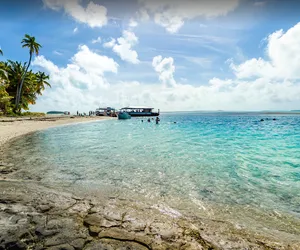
(225, 160)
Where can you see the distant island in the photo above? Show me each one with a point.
(56, 112)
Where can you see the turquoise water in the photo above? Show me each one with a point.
(226, 159)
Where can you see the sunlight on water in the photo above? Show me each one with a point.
(225, 159)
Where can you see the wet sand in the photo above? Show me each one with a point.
(14, 127)
(36, 216)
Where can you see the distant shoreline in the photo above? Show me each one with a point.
(237, 112)
(11, 128)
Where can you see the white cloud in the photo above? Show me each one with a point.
(171, 23)
(123, 46)
(172, 14)
(201, 61)
(94, 15)
(49, 66)
(283, 58)
(79, 84)
(98, 40)
(91, 62)
(132, 23)
(75, 30)
(143, 15)
(110, 44)
(86, 68)
(57, 53)
(165, 69)
(258, 84)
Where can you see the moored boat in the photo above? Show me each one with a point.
(136, 111)
(123, 115)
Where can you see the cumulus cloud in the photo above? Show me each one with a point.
(110, 44)
(86, 70)
(98, 40)
(259, 83)
(123, 46)
(283, 58)
(93, 14)
(172, 14)
(165, 69)
(78, 84)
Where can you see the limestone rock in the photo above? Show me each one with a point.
(94, 230)
(93, 220)
(78, 244)
(110, 244)
(61, 247)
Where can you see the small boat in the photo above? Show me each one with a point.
(123, 115)
(105, 112)
(140, 111)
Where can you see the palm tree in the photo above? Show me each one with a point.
(34, 47)
(1, 52)
(3, 73)
(15, 71)
(4, 82)
(41, 80)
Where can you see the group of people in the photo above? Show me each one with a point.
(84, 114)
(157, 120)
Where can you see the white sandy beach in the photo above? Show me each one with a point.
(14, 127)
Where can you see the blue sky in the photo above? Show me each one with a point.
(203, 57)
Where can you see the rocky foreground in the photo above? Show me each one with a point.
(33, 216)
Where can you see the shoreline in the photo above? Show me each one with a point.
(11, 128)
(35, 215)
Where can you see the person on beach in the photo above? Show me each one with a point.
(149, 120)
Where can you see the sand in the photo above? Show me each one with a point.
(14, 127)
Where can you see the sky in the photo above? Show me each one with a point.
(172, 55)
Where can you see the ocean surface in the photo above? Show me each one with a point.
(193, 162)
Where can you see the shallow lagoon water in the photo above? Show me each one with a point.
(203, 160)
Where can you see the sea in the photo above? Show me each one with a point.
(239, 167)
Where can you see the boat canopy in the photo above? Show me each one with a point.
(108, 108)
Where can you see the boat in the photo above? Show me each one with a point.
(138, 111)
(123, 115)
(105, 111)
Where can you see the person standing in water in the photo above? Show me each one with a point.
(157, 120)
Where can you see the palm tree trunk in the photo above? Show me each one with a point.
(17, 95)
(19, 91)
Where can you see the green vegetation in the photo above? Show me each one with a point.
(19, 86)
(25, 114)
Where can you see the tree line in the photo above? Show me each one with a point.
(20, 86)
